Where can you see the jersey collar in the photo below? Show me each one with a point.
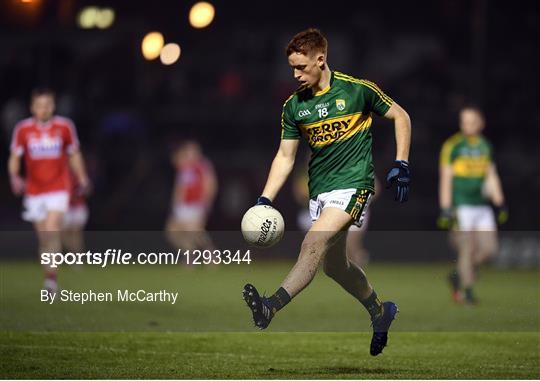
(327, 88)
(45, 125)
(471, 140)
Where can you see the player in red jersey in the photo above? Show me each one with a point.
(194, 192)
(50, 147)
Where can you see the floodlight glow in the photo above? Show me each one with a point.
(151, 45)
(170, 54)
(105, 18)
(87, 17)
(201, 14)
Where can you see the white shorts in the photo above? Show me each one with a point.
(189, 212)
(37, 206)
(353, 201)
(76, 217)
(303, 220)
(475, 218)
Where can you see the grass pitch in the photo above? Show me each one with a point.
(324, 333)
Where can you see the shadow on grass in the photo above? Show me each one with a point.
(337, 370)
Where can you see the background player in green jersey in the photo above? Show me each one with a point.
(333, 112)
(468, 183)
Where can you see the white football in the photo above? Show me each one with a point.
(263, 226)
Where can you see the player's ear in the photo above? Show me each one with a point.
(321, 61)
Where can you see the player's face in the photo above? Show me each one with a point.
(187, 153)
(192, 151)
(42, 107)
(307, 69)
(471, 122)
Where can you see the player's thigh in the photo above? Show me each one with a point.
(355, 238)
(336, 256)
(49, 230)
(486, 242)
(464, 241)
(171, 225)
(324, 231)
(40, 227)
(54, 220)
(332, 220)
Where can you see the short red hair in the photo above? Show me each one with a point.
(308, 41)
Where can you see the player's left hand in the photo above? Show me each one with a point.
(84, 186)
(17, 184)
(446, 219)
(401, 175)
(501, 213)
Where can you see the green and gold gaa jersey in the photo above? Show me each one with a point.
(470, 159)
(336, 124)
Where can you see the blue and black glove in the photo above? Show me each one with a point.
(446, 219)
(263, 201)
(501, 213)
(401, 175)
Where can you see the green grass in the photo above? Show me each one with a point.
(324, 333)
(268, 355)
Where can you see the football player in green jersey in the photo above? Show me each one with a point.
(333, 112)
(468, 183)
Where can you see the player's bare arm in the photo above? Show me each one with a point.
(400, 173)
(14, 170)
(402, 125)
(282, 166)
(210, 187)
(445, 219)
(493, 186)
(76, 162)
(495, 193)
(445, 186)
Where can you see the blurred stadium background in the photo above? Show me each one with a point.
(228, 86)
(226, 90)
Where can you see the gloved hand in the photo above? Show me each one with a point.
(261, 200)
(501, 214)
(446, 219)
(401, 175)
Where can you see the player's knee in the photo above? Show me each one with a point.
(312, 246)
(489, 251)
(53, 224)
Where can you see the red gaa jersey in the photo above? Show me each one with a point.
(45, 147)
(190, 182)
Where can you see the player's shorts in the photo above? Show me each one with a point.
(364, 227)
(475, 218)
(37, 206)
(189, 212)
(76, 217)
(303, 220)
(353, 201)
